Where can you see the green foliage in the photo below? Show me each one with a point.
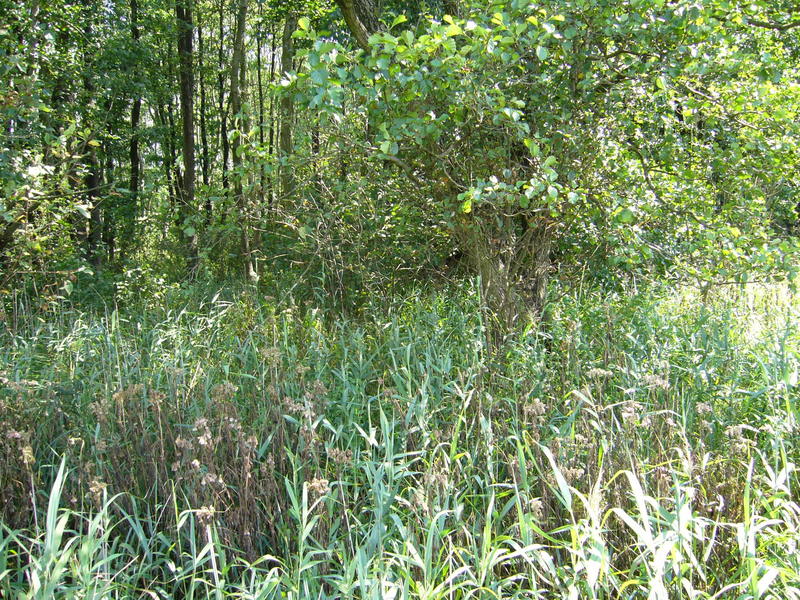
(640, 132)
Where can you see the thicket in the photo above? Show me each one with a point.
(398, 299)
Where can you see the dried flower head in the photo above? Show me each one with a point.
(340, 457)
(656, 382)
(96, 489)
(318, 389)
(271, 356)
(223, 392)
(27, 455)
(533, 409)
(206, 515)
(319, 486)
(630, 412)
(536, 506)
(597, 373)
(291, 406)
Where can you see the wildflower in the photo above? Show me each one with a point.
(211, 479)
(292, 406)
(629, 413)
(318, 388)
(573, 474)
(309, 435)
(271, 356)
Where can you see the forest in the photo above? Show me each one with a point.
(399, 299)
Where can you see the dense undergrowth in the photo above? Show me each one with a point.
(236, 445)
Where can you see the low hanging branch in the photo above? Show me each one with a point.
(354, 15)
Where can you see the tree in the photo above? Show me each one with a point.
(551, 130)
(186, 189)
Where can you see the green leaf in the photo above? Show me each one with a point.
(532, 147)
(626, 216)
(453, 30)
(303, 23)
(189, 231)
(542, 52)
(397, 20)
(84, 210)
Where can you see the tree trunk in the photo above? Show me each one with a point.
(262, 184)
(287, 108)
(205, 161)
(361, 17)
(183, 15)
(237, 84)
(92, 177)
(223, 115)
(133, 149)
(109, 225)
(271, 150)
(92, 183)
(512, 261)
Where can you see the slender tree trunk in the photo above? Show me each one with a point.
(206, 163)
(133, 150)
(183, 15)
(109, 225)
(262, 175)
(171, 168)
(287, 108)
(92, 183)
(237, 84)
(92, 178)
(272, 57)
(223, 115)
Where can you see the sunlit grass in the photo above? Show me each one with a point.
(642, 447)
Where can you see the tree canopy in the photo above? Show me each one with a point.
(645, 137)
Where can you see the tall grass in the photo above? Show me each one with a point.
(642, 446)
